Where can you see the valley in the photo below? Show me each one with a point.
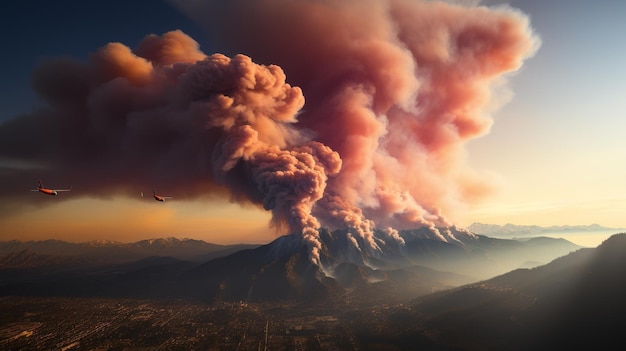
(224, 304)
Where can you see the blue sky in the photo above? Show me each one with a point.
(36, 30)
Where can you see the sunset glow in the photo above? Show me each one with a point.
(392, 115)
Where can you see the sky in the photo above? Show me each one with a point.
(542, 143)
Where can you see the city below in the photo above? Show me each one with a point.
(131, 324)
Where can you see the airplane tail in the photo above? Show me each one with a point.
(40, 183)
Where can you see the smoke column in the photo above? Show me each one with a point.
(394, 89)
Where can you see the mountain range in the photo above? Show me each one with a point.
(30, 254)
(574, 302)
(495, 230)
(430, 293)
(430, 259)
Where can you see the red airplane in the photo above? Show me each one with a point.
(49, 191)
(159, 197)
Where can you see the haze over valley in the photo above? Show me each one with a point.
(428, 296)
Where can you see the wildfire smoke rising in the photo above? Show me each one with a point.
(394, 89)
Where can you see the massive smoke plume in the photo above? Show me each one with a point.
(394, 89)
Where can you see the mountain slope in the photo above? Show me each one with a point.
(575, 301)
(261, 274)
(414, 263)
(394, 273)
(26, 259)
(111, 252)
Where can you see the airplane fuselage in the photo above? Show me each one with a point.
(48, 191)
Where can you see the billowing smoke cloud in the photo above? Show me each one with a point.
(394, 89)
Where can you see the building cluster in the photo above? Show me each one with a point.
(128, 324)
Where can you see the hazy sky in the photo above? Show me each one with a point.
(554, 155)
(558, 143)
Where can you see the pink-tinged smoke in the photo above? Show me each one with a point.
(394, 90)
(396, 87)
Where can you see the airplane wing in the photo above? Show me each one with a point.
(70, 189)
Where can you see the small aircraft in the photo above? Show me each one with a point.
(158, 197)
(49, 191)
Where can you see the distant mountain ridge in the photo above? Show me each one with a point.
(106, 251)
(416, 262)
(28, 259)
(512, 229)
